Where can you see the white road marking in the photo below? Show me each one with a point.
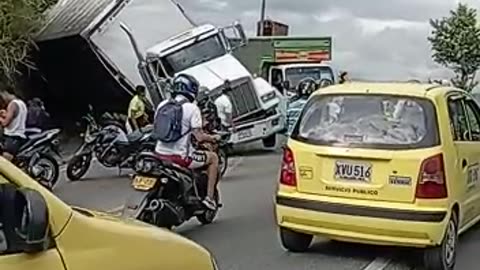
(378, 264)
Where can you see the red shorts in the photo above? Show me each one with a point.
(198, 159)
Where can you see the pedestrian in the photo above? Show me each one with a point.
(225, 108)
(137, 116)
(13, 118)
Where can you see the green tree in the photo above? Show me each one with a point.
(455, 42)
(19, 20)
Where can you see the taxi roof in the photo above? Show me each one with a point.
(405, 89)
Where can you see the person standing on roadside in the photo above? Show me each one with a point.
(225, 108)
(137, 117)
(13, 119)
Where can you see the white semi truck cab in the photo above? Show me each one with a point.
(205, 52)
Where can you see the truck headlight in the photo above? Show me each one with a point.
(268, 97)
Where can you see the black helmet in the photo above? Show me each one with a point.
(186, 85)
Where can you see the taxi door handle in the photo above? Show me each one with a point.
(464, 163)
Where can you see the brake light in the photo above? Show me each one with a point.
(287, 174)
(431, 179)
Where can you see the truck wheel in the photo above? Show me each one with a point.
(295, 241)
(444, 256)
(270, 142)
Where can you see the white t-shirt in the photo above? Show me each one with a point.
(224, 107)
(18, 123)
(192, 119)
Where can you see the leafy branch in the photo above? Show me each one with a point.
(19, 21)
(455, 42)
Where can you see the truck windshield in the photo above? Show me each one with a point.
(296, 74)
(197, 53)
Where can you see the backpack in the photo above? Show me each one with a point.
(167, 125)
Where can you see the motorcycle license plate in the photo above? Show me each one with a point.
(143, 183)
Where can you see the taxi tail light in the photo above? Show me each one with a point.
(431, 179)
(287, 173)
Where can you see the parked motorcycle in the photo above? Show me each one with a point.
(110, 145)
(35, 157)
(167, 195)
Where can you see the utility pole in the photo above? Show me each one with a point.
(262, 16)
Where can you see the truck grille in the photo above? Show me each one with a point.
(244, 99)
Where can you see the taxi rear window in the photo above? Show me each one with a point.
(368, 121)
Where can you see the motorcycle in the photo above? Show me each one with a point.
(168, 195)
(35, 157)
(110, 145)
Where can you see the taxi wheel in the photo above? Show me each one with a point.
(443, 257)
(295, 241)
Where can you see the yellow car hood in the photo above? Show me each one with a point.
(112, 217)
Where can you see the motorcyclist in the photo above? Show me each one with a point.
(295, 107)
(186, 89)
(210, 118)
(13, 118)
(305, 90)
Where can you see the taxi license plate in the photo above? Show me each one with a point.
(143, 183)
(345, 170)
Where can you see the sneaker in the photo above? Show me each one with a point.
(210, 204)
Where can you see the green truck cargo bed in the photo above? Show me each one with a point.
(283, 50)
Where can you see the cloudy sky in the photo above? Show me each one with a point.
(373, 39)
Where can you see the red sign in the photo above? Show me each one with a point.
(296, 56)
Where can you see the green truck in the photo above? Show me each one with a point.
(285, 61)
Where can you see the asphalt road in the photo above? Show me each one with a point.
(244, 236)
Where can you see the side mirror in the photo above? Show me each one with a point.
(238, 37)
(27, 210)
(241, 33)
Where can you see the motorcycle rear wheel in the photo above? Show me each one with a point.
(78, 166)
(47, 164)
(209, 216)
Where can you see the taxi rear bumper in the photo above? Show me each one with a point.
(362, 224)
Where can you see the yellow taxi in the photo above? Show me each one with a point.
(39, 231)
(383, 164)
